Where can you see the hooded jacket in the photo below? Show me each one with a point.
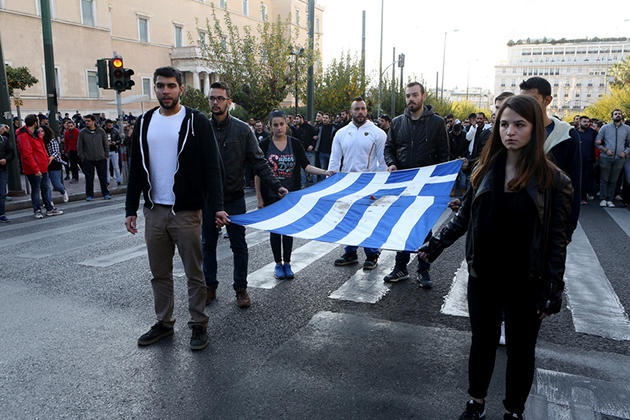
(32, 151)
(198, 180)
(6, 152)
(416, 143)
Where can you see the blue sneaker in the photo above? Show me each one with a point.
(3, 219)
(107, 197)
(88, 198)
(288, 273)
(279, 272)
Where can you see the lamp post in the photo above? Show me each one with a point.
(444, 62)
(297, 55)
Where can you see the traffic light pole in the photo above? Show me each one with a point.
(49, 61)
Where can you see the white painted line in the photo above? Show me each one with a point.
(72, 246)
(117, 257)
(300, 259)
(622, 217)
(367, 286)
(455, 302)
(593, 302)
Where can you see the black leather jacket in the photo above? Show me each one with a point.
(548, 243)
(413, 144)
(239, 147)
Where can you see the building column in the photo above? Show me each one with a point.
(196, 83)
(207, 84)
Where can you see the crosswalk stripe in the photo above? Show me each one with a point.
(367, 286)
(455, 302)
(301, 258)
(116, 257)
(622, 217)
(593, 302)
(72, 246)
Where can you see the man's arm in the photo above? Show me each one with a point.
(257, 161)
(389, 150)
(334, 164)
(80, 146)
(134, 183)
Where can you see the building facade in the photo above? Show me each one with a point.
(146, 33)
(577, 70)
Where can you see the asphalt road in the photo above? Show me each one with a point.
(75, 296)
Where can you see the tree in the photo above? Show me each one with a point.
(339, 83)
(195, 98)
(255, 66)
(19, 78)
(621, 72)
(618, 99)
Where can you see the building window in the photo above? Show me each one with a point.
(588, 94)
(514, 70)
(203, 36)
(297, 16)
(263, 12)
(222, 4)
(502, 82)
(87, 12)
(92, 81)
(143, 29)
(568, 70)
(317, 25)
(179, 36)
(503, 71)
(146, 86)
(246, 7)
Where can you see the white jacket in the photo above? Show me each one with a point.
(360, 147)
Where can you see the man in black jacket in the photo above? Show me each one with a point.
(176, 164)
(238, 148)
(6, 156)
(417, 138)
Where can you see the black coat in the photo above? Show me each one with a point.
(6, 152)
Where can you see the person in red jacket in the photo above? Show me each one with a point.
(71, 136)
(35, 162)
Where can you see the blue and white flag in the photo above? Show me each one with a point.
(393, 211)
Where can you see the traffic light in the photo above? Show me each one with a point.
(101, 72)
(128, 82)
(116, 74)
(401, 60)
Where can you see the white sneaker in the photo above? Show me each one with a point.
(589, 197)
(603, 203)
(610, 204)
(38, 214)
(619, 198)
(65, 197)
(54, 212)
(502, 339)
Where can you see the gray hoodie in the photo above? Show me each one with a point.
(614, 138)
(92, 145)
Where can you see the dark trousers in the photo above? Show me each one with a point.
(588, 178)
(403, 258)
(488, 300)
(210, 236)
(75, 164)
(281, 246)
(101, 171)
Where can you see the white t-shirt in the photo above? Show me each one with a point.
(162, 138)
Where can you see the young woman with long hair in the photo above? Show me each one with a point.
(285, 156)
(55, 167)
(515, 214)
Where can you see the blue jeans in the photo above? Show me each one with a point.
(324, 158)
(209, 238)
(311, 159)
(610, 169)
(402, 259)
(369, 252)
(4, 178)
(40, 183)
(113, 158)
(55, 179)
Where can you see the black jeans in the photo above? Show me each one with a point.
(280, 243)
(75, 164)
(487, 301)
(101, 171)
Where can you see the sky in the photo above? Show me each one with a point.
(477, 33)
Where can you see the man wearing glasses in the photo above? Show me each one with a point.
(238, 147)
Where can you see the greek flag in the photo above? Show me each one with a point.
(393, 211)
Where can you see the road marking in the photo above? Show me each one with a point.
(72, 246)
(622, 217)
(116, 257)
(301, 258)
(592, 300)
(455, 302)
(367, 286)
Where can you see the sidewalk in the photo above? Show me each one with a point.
(76, 192)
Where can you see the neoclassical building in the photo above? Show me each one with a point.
(146, 33)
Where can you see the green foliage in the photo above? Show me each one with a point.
(195, 98)
(256, 66)
(621, 72)
(240, 113)
(19, 78)
(618, 99)
(339, 84)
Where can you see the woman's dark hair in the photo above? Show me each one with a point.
(48, 133)
(533, 162)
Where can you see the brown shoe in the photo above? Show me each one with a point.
(211, 294)
(242, 298)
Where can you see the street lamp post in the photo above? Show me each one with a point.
(444, 62)
(297, 55)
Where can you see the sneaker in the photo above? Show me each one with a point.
(7, 198)
(602, 203)
(211, 294)
(618, 198)
(583, 202)
(513, 416)
(425, 280)
(589, 197)
(88, 198)
(107, 197)
(370, 262)
(347, 258)
(74, 181)
(279, 271)
(54, 212)
(66, 178)
(288, 273)
(38, 214)
(156, 333)
(199, 339)
(395, 276)
(65, 197)
(242, 298)
(474, 411)
(225, 235)
(3, 219)
(610, 204)
(502, 338)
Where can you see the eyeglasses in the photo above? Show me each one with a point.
(279, 113)
(217, 99)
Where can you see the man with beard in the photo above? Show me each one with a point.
(415, 139)
(324, 143)
(360, 147)
(238, 148)
(114, 141)
(384, 122)
(587, 148)
(175, 163)
(614, 142)
(93, 150)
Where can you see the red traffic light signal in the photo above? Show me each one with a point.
(116, 74)
(117, 63)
